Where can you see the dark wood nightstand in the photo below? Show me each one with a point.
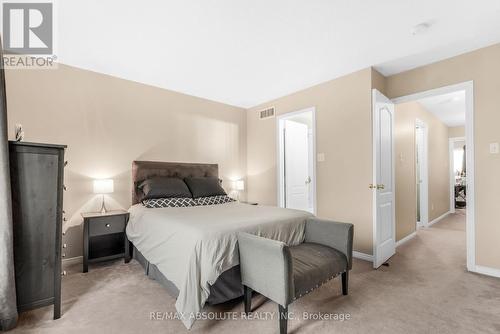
(104, 237)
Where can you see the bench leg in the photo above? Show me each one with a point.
(283, 316)
(345, 282)
(247, 297)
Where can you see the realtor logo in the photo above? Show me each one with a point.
(28, 28)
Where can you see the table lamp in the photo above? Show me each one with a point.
(239, 185)
(101, 187)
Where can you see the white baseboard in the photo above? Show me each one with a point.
(407, 238)
(487, 271)
(72, 260)
(438, 219)
(362, 256)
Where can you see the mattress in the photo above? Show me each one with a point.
(193, 246)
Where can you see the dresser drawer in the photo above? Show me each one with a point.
(106, 225)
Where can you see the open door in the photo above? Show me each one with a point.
(384, 228)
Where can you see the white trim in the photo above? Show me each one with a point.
(72, 260)
(433, 92)
(362, 256)
(487, 271)
(438, 219)
(279, 162)
(451, 148)
(406, 239)
(424, 165)
(468, 87)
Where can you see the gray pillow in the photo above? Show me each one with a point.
(164, 187)
(204, 186)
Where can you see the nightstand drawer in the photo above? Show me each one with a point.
(106, 225)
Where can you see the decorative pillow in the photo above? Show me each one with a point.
(173, 202)
(204, 186)
(211, 200)
(164, 187)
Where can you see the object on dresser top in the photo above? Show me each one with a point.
(212, 200)
(36, 173)
(104, 237)
(102, 187)
(174, 202)
(164, 187)
(204, 186)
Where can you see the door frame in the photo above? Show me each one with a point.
(468, 87)
(280, 173)
(451, 148)
(424, 187)
(374, 178)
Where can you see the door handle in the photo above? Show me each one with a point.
(380, 186)
(371, 186)
(376, 186)
(308, 180)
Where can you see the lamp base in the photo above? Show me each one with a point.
(103, 206)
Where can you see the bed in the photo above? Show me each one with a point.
(192, 251)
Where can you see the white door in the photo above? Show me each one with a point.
(384, 245)
(422, 174)
(296, 165)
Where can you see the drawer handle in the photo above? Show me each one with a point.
(107, 225)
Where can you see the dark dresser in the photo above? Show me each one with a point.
(37, 172)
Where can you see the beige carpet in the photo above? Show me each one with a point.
(426, 289)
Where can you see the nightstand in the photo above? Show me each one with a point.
(104, 237)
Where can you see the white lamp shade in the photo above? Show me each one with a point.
(104, 186)
(239, 185)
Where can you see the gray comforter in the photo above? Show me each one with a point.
(192, 246)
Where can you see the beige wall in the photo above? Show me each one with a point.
(343, 121)
(405, 118)
(456, 131)
(483, 67)
(378, 81)
(109, 122)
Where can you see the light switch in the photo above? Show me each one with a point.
(494, 148)
(321, 157)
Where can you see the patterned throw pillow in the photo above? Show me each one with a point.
(211, 200)
(173, 202)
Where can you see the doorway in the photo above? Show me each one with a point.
(296, 133)
(440, 98)
(458, 174)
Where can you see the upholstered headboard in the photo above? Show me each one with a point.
(141, 170)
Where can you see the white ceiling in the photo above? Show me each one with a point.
(449, 108)
(248, 52)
